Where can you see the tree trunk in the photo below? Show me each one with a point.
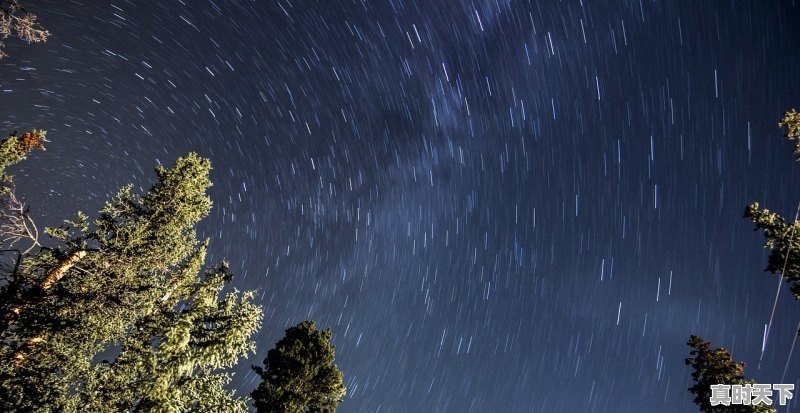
(54, 276)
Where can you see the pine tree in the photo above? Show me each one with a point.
(116, 317)
(791, 121)
(14, 149)
(784, 242)
(299, 374)
(716, 367)
(782, 238)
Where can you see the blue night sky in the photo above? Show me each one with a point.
(496, 205)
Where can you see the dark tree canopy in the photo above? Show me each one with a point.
(299, 374)
(716, 366)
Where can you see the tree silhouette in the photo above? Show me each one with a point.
(299, 374)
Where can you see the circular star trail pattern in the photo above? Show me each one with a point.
(496, 205)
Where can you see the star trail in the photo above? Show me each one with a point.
(496, 205)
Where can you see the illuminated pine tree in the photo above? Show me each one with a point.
(14, 149)
(712, 367)
(117, 316)
(782, 238)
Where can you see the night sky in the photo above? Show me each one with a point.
(496, 205)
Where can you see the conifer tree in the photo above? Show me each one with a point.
(14, 149)
(782, 238)
(116, 316)
(712, 367)
(299, 374)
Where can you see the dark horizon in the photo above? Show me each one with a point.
(496, 206)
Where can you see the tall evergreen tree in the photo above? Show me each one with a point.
(116, 316)
(299, 374)
(782, 238)
(716, 367)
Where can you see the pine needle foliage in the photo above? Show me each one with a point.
(120, 316)
(716, 366)
(299, 374)
(782, 238)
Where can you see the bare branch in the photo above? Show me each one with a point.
(16, 21)
(16, 223)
